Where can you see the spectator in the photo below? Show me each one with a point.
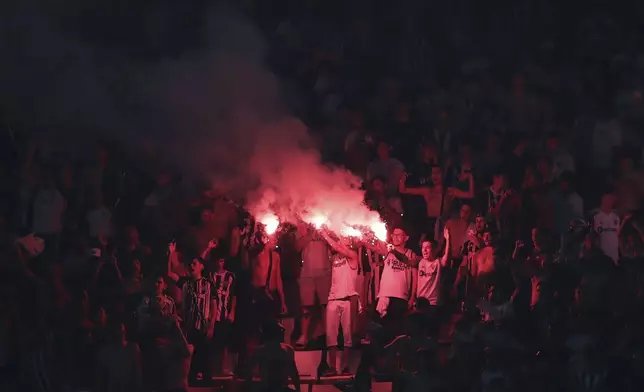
(606, 225)
(224, 286)
(199, 316)
(389, 168)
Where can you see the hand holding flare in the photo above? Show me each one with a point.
(270, 222)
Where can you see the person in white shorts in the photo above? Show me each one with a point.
(314, 282)
(344, 275)
(429, 269)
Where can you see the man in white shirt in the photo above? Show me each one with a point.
(344, 277)
(397, 291)
(429, 270)
(606, 225)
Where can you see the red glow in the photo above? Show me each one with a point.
(270, 222)
(348, 231)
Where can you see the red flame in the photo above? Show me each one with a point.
(270, 222)
(349, 231)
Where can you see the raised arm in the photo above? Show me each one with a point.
(173, 259)
(417, 191)
(378, 247)
(448, 243)
(338, 247)
(459, 194)
(626, 219)
(212, 244)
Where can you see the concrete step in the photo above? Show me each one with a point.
(375, 387)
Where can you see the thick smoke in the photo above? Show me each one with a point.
(213, 110)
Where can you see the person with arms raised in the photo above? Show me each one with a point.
(344, 275)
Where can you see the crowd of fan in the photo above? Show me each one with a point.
(519, 187)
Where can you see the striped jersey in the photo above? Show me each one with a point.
(197, 296)
(223, 283)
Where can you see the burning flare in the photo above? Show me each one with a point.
(379, 230)
(318, 221)
(351, 232)
(270, 222)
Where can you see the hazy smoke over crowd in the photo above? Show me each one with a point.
(212, 109)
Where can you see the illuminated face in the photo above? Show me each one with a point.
(480, 224)
(399, 237)
(159, 285)
(487, 238)
(196, 267)
(427, 250)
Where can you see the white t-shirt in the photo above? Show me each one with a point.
(315, 259)
(429, 273)
(49, 207)
(396, 278)
(606, 226)
(343, 279)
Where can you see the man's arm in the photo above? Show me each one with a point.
(412, 259)
(459, 194)
(338, 247)
(414, 287)
(416, 191)
(448, 244)
(173, 259)
(378, 247)
(212, 244)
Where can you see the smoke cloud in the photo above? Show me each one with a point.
(211, 109)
